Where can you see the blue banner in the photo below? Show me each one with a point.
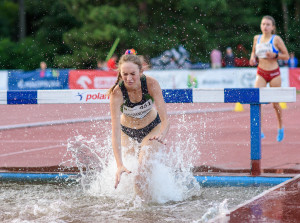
(38, 80)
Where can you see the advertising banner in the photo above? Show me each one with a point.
(38, 80)
(170, 79)
(3, 79)
(211, 78)
(294, 75)
(92, 79)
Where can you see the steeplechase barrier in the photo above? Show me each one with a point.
(252, 96)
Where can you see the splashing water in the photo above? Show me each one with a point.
(170, 178)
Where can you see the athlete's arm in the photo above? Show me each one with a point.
(252, 60)
(116, 100)
(283, 52)
(156, 92)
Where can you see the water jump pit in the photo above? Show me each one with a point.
(42, 182)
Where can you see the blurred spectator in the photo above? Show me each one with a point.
(112, 63)
(229, 57)
(101, 65)
(241, 56)
(293, 61)
(172, 65)
(216, 58)
(172, 59)
(43, 68)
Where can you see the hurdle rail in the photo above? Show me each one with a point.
(253, 96)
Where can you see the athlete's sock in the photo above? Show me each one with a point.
(280, 134)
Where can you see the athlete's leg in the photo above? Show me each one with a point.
(276, 82)
(260, 82)
(148, 150)
(128, 144)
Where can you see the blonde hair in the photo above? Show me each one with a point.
(272, 20)
(125, 58)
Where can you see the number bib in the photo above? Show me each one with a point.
(138, 111)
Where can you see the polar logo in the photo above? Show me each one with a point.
(83, 81)
(98, 96)
(80, 95)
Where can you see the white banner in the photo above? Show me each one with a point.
(170, 79)
(211, 78)
(3, 80)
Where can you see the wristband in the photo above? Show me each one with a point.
(276, 56)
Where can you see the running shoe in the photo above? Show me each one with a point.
(262, 136)
(280, 135)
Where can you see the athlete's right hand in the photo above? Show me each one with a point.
(252, 61)
(119, 172)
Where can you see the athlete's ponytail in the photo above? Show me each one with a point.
(113, 87)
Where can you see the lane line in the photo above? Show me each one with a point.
(31, 150)
(30, 141)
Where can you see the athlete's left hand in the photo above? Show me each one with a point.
(159, 138)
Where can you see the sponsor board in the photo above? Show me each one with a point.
(92, 79)
(38, 80)
(294, 75)
(3, 79)
(170, 79)
(211, 78)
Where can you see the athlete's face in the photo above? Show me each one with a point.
(266, 26)
(130, 73)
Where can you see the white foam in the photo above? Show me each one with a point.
(170, 178)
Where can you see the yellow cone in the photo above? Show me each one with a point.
(238, 107)
(283, 105)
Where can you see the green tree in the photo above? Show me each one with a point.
(8, 19)
(46, 23)
(76, 33)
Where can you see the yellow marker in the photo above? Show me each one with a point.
(283, 105)
(238, 107)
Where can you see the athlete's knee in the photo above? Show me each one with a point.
(276, 106)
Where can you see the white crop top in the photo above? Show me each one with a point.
(262, 48)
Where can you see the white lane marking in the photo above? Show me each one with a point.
(32, 141)
(30, 150)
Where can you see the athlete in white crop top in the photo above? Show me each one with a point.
(268, 48)
(134, 118)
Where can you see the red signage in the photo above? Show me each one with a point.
(91, 79)
(294, 76)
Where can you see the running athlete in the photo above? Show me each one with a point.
(134, 117)
(268, 48)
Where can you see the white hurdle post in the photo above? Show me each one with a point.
(253, 96)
